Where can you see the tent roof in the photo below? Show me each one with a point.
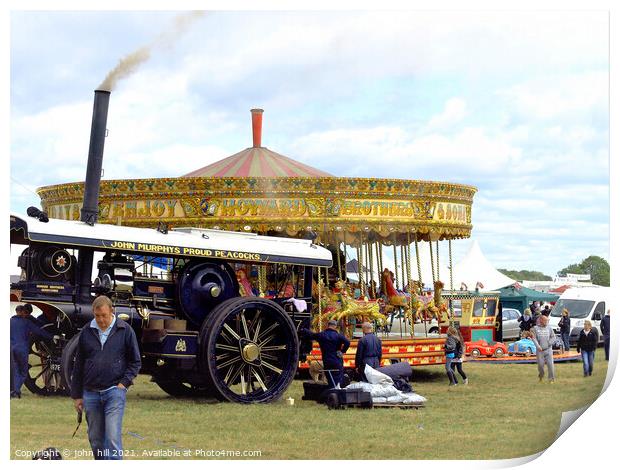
(525, 292)
(475, 267)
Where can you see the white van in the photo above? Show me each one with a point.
(583, 303)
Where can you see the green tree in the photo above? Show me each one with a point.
(525, 275)
(595, 266)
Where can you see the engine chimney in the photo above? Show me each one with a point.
(90, 203)
(257, 126)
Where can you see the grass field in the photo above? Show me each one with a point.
(503, 413)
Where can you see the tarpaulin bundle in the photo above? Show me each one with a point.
(398, 370)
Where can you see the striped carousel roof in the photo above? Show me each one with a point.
(257, 161)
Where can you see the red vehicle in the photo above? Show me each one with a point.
(482, 348)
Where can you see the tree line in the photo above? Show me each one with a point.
(595, 266)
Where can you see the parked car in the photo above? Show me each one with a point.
(397, 325)
(523, 347)
(482, 348)
(510, 324)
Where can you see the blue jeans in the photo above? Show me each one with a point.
(104, 415)
(588, 361)
(566, 341)
(449, 370)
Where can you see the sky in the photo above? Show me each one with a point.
(515, 103)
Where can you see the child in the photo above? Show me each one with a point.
(450, 349)
(457, 363)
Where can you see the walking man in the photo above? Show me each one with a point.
(368, 351)
(333, 346)
(605, 331)
(106, 362)
(544, 338)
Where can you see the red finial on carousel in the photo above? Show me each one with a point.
(257, 126)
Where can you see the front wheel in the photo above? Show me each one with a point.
(528, 352)
(475, 353)
(498, 353)
(249, 350)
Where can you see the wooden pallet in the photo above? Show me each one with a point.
(399, 405)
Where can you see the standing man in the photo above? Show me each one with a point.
(22, 329)
(544, 338)
(605, 331)
(333, 346)
(368, 351)
(106, 362)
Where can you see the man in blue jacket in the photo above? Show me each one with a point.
(368, 351)
(333, 346)
(23, 329)
(106, 362)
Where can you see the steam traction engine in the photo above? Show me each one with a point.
(201, 331)
(197, 334)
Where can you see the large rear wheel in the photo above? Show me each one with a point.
(249, 350)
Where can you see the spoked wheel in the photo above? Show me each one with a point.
(475, 353)
(249, 350)
(44, 368)
(499, 352)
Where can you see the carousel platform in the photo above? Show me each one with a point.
(565, 357)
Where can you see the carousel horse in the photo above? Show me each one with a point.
(432, 307)
(393, 297)
(341, 306)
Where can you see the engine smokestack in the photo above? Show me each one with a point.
(90, 204)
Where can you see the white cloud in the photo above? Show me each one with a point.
(454, 111)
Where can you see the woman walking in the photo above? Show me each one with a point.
(588, 339)
(544, 338)
(564, 325)
(450, 349)
(457, 362)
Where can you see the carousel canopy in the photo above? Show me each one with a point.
(260, 191)
(256, 160)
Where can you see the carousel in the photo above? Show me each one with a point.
(382, 224)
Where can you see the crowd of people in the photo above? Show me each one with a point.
(100, 391)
